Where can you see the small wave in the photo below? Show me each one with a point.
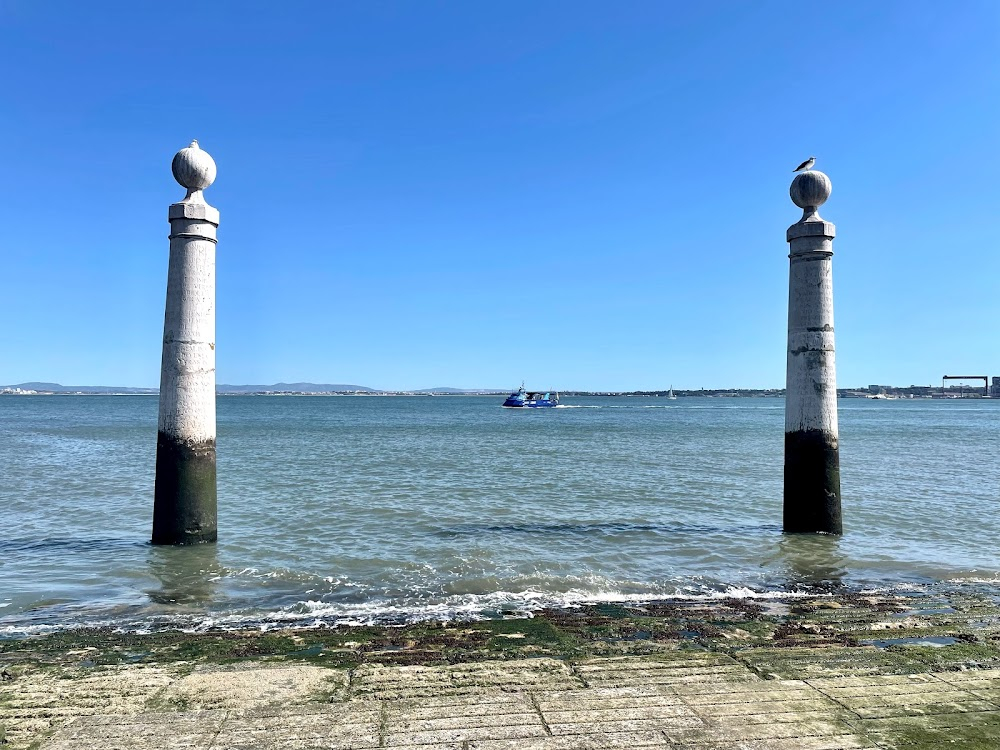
(462, 608)
(474, 607)
(976, 580)
(68, 545)
(604, 527)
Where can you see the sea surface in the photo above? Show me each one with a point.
(394, 509)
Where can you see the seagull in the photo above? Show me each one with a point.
(806, 165)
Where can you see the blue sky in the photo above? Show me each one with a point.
(586, 195)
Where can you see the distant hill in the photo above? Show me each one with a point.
(57, 388)
(221, 388)
(232, 389)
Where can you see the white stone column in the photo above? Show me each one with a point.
(812, 451)
(184, 508)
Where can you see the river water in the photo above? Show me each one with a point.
(391, 509)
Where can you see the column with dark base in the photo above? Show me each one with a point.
(812, 453)
(184, 508)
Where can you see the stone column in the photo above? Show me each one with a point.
(812, 453)
(184, 508)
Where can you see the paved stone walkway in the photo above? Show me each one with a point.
(695, 700)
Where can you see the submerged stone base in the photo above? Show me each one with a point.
(812, 483)
(185, 505)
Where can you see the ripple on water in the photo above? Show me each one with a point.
(354, 509)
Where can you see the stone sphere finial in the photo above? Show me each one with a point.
(195, 170)
(809, 191)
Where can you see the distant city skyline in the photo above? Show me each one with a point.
(575, 195)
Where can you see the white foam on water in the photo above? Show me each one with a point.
(464, 607)
(975, 579)
(471, 607)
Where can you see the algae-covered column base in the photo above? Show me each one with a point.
(812, 448)
(812, 483)
(185, 505)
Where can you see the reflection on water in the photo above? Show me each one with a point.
(187, 576)
(813, 561)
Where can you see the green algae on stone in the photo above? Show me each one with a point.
(534, 635)
(956, 656)
(968, 730)
(828, 625)
(800, 663)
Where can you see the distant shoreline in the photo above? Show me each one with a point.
(922, 392)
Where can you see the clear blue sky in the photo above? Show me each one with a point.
(585, 195)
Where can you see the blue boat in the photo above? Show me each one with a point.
(530, 400)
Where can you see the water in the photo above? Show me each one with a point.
(361, 509)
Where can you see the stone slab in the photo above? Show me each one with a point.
(392, 683)
(529, 705)
(603, 741)
(239, 689)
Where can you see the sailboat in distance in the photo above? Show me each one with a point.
(670, 394)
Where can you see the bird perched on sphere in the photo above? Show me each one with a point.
(806, 165)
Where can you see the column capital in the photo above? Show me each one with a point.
(196, 211)
(820, 228)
